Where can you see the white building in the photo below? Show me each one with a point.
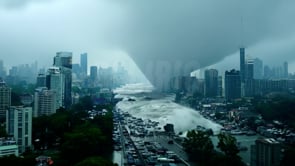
(55, 81)
(44, 102)
(19, 125)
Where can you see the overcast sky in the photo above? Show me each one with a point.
(208, 31)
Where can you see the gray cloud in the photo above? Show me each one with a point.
(192, 30)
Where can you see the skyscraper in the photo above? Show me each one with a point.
(83, 64)
(2, 70)
(55, 81)
(286, 70)
(93, 73)
(19, 124)
(258, 68)
(5, 99)
(232, 84)
(41, 80)
(211, 83)
(45, 102)
(242, 64)
(63, 60)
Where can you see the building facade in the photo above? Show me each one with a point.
(63, 60)
(19, 125)
(266, 152)
(45, 102)
(211, 83)
(5, 99)
(232, 85)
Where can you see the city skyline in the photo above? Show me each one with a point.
(117, 31)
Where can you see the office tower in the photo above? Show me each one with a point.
(258, 69)
(242, 64)
(55, 81)
(45, 102)
(19, 124)
(41, 80)
(211, 83)
(220, 89)
(266, 152)
(232, 84)
(93, 73)
(83, 64)
(5, 99)
(106, 77)
(63, 60)
(285, 70)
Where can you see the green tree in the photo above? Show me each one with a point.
(228, 145)
(199, 146)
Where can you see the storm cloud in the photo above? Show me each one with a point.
(202, 31)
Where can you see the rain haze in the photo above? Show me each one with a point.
(111, 31)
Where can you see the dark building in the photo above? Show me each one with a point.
(41, 80)
(232, 84)
(63, 60)
(242, 63)
(266, 152)
(211, 83)
(93, 73)
(285, 70)
(83, 64)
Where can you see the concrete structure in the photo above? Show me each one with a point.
(93, 73)
(285, 70)
(55, 81)
(242, 64)
(232, 84)
(8, 147)
(45, 102)
(211, 83)
(258, 68)
(41, 80)
(5, 99)
(19, 125)
(83, 64)
(266, 152)
(63, 60)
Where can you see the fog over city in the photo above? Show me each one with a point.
(206, 32)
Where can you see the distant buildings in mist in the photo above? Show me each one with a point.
(252, 78)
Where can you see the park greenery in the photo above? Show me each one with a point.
(200, 149)
(70, 137)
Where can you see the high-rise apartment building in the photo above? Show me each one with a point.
(266, 152)
(211, 83)
(19, 125)
(63, 60)
(5, 99)
(232, 84)
(55, 81)
(45, 102)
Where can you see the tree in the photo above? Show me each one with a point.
(199, 146)
(228, 145)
